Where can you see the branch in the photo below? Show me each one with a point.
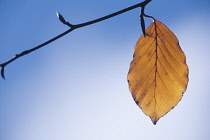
(72, 27)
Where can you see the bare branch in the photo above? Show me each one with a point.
(72, 27)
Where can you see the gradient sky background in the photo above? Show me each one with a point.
(76, 87)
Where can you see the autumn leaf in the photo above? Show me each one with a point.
(158, 74)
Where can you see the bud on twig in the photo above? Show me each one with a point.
(61, 18)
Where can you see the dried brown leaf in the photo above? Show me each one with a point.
(158, 74)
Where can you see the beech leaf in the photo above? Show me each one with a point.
(158, 74)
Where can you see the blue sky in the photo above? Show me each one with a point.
(76, 88)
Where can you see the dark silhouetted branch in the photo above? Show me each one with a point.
(72, 27)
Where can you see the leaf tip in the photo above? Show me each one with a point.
(154, 122)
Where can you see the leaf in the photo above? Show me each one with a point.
(158, 74)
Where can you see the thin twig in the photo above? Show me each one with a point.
(72, 27)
